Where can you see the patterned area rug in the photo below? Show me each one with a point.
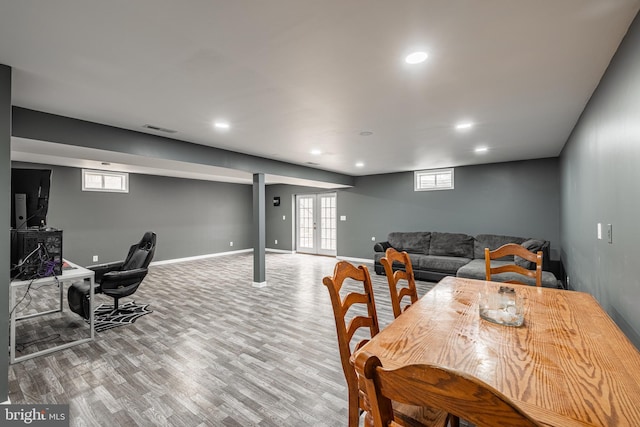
(129, 312)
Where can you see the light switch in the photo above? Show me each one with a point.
(343, 217)
(599, 229)
(609, 233)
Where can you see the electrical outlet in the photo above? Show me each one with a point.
(95, 258)
(276, 241)
(230, 243)
(599, 231)
(284, 217)
(373, 239)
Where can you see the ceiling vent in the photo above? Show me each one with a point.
(159, 129)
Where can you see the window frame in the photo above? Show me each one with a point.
(417, 175)
(123, 175)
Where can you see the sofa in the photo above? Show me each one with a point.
(435, 255)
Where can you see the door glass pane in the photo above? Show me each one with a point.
(328, 223)
(305, 221)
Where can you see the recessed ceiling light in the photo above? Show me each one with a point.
(359, 164)
(481, 150)
(416, 57)
(221, 125)
(464, 125)
(316, 152)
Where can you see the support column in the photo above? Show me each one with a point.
(5, 223)
(259, 231)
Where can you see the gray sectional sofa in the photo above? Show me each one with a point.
(435, 255)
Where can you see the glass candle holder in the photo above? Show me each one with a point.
(503, 306)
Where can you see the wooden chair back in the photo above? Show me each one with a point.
(428, 385)
(518, 250)
(346, 329)
(398, 292)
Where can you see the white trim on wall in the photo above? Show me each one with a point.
(193, 258)
(280, 251)
(360, 260)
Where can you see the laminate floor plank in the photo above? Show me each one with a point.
(215, 351)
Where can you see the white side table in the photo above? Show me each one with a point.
(71, 273)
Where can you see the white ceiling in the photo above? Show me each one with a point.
(294, 75)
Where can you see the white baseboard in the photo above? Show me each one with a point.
(193, 258)
(360, 260)
(280, 251)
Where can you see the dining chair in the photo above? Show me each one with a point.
(455, 392)
(512, 249)
(363, 302)
(398, 292)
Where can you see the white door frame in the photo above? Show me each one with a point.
(316, 223)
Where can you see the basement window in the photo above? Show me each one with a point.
(433, 179)
(107, 181)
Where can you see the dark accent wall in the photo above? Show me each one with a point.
(600, 175)
(190, 217)
(5, 220)
(516, 198)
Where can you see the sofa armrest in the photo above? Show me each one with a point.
(381, 247)
(546, 256)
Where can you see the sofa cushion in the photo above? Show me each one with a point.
(411, 242)
(451, 244)
(476, 269)
(493, 242)
(439, 263)
(532, 245)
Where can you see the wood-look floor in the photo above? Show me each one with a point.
(215, 351)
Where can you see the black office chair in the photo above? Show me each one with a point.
(116, 279)
(121, 279)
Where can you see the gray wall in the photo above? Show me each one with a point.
(5, 219)
(516, 198)
(190, 217)
(600, 173)
(282, 229)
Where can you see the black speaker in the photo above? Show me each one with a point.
(21, 210)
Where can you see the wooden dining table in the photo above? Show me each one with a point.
(568, 365)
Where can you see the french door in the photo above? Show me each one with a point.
(316, 223)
